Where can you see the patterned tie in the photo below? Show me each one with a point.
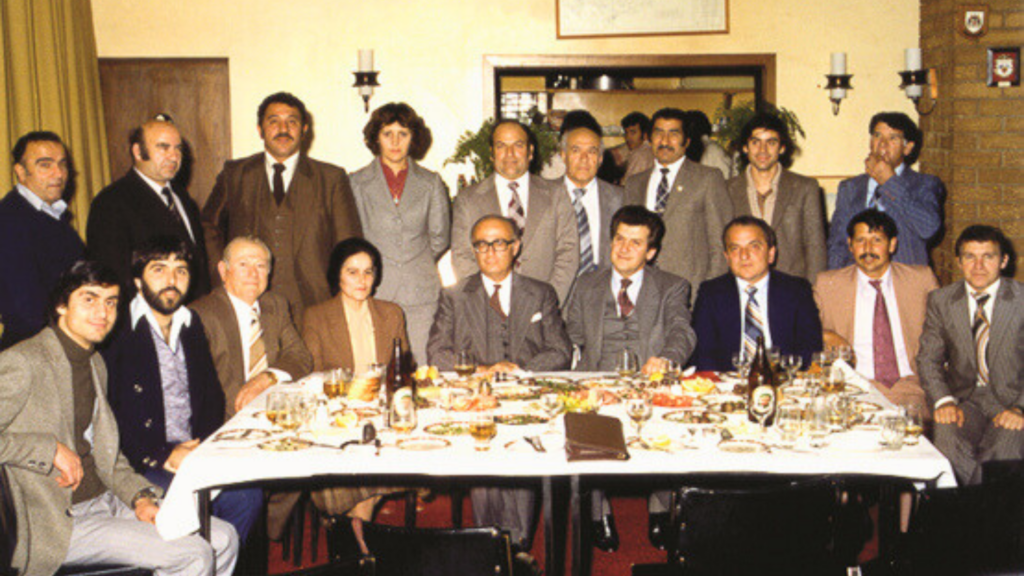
(980, 331)
(278, 183)
(515, 207)
(625, 304)
(753, 323)
(495, 302)
(583, 227)
(662, 198)
(257, 351)
(169, 200)
(887, 370)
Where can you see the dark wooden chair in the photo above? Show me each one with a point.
(397, 551)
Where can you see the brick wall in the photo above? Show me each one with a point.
(974, 139)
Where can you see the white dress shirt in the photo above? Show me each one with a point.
(652, 184)
(864, 324)
(158, 190)
(55, 210)
(504, 295)
(633, 291)
(181, 317)
(592, 206)
(243, 313)
(761, 297)
(505, 193)
(289, 169)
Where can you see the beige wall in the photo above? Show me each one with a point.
(430, 54)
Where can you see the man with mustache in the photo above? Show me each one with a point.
(690, 198)
(913, 200)
(162, 382)
(884, 322)
(300, 207)
(145, 203)
(34, 210)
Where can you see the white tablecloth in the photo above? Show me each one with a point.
(224, 463)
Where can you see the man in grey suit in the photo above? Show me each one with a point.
(633, 306)
(791, 203)
(593, 200)
(971, 361)
(550, 242)
(77, 499)
(689, 197)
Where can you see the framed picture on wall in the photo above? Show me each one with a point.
(603, 18)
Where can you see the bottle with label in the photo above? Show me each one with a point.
(402, 405)
(762, 391)
(394, 380)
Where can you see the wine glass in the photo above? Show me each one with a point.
(845, 353)
(483, 429)
(277, 403)
(639, 409)
(791, 364)
(672, 371)
(337, 382)
(914, 413)
(774, 355)
(818, 421)
(465, 363)
(741, 361)
(552, 403)
(788, 422)
(627, 363)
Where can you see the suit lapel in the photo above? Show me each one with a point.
(539, 208)
(301, 199)
(647, 308)
(783, 197)
(962, 324)
(384, 348)
(732, 321)
(232, 333)
(845, 299)
(62, 384)
(676, 199)
(778, 303)
(1003, 310)
(903, 288)
(593, 308)
(521, 306)
(338, 327)
(476, 309)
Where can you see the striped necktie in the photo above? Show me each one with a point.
(257, 351)
(753, 323)
(980, 330)
(662, 198)
(583, 227)
(169, 200)
(515, 207)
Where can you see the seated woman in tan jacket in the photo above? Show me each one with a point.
(353, 330)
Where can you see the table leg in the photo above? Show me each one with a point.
(204, 513)
(579, 563)
(888, 522)
(553, 504)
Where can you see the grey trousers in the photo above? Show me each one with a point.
(509, 509)
(977, 441)
(106, 531)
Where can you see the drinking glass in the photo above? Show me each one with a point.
(277, 403)
(741, 362)
(337, 382)
(639, 409)
(845, 353)
(893, 430)
(914, 413)
(483, 429)
(403, 412)
(465, 363)
(788, 423)
(627, 364)
(818, 421)
(552, 403)
(791, 364)
(774, 355)
(672, 372)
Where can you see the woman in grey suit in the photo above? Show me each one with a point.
(406, 213)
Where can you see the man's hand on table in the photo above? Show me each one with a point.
(949, 414)
(253, 388)
(1010, 419)
(654, 364)
(178, 454)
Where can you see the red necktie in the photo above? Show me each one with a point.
(495, 302)
(887, 370)
(625, 304)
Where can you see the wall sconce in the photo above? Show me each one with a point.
(838, 81)
(366, 77)
(915, 78)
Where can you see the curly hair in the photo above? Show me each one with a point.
(407, 118)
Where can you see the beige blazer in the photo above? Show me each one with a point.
(325, 332)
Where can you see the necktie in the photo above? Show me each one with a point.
(278, 183)
(762, 200)
(495, 302)
(980, 330)
(169, 200)
(753, 323)
(583, 227)
(625, 304)
(257, 351)
(662, 198)
(515, 207)
(887, 370)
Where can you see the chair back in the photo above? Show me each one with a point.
(769, 526)
(438, 551)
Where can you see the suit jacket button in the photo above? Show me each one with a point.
(148, 423)
(138, 388)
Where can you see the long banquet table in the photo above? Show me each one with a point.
(217, 464)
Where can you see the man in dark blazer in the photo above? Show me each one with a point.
(163, 387)
(144, 204)
(298, 206)
(690, 198)
(36, 242)
(752, 300)
(768, 190)
(913, 200)
(971, 360)
(593, 200)
(76, 497)
(550, 241)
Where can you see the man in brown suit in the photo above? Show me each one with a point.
(299, 206)
(878, 289)
(791, 203)
(690, 198)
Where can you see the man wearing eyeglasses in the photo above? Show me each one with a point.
(913, 200)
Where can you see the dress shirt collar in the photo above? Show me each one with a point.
(992, 291)
(864, 281)
(633, 291)
(673, 170)
(762, 287)
(290, 164)
(505, 193)
(243, 310)
(55, 210)
(182, 317)
(504, 295)
(572, 187)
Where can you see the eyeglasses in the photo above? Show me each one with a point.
(499, 245)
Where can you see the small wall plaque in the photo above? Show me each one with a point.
(1004, 67)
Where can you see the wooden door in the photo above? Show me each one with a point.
(193, 91)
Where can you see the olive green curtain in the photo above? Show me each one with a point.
(51, 81)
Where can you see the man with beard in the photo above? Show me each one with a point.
(300, 207)
(143, 204)
(888, 299)
(163, 385)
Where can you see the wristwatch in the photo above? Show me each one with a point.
(148, 492)
(273, 377)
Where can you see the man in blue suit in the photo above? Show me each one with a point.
(913, 200)
(163, 385)
(753, 300)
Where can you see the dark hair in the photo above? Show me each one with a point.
(694, 146)
(636, 215)
(406, 117)
(748, 220)
(699, 121)
(285, 98)
(984, 233)
(580, 119)
(161, 247)
(81, 273)
(18, 152)
(516, 232)
(903, 123)
(637, 119)
(876, 220)
(346, 249)
(767, 121)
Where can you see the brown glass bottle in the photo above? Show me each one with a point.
(762, 391)
(395, 379)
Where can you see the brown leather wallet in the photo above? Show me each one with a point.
(594, 437)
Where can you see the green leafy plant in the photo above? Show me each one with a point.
(475, 147)
(731, 121)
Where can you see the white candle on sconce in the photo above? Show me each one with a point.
(366, 60)
(912, 59)
(838, 63)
